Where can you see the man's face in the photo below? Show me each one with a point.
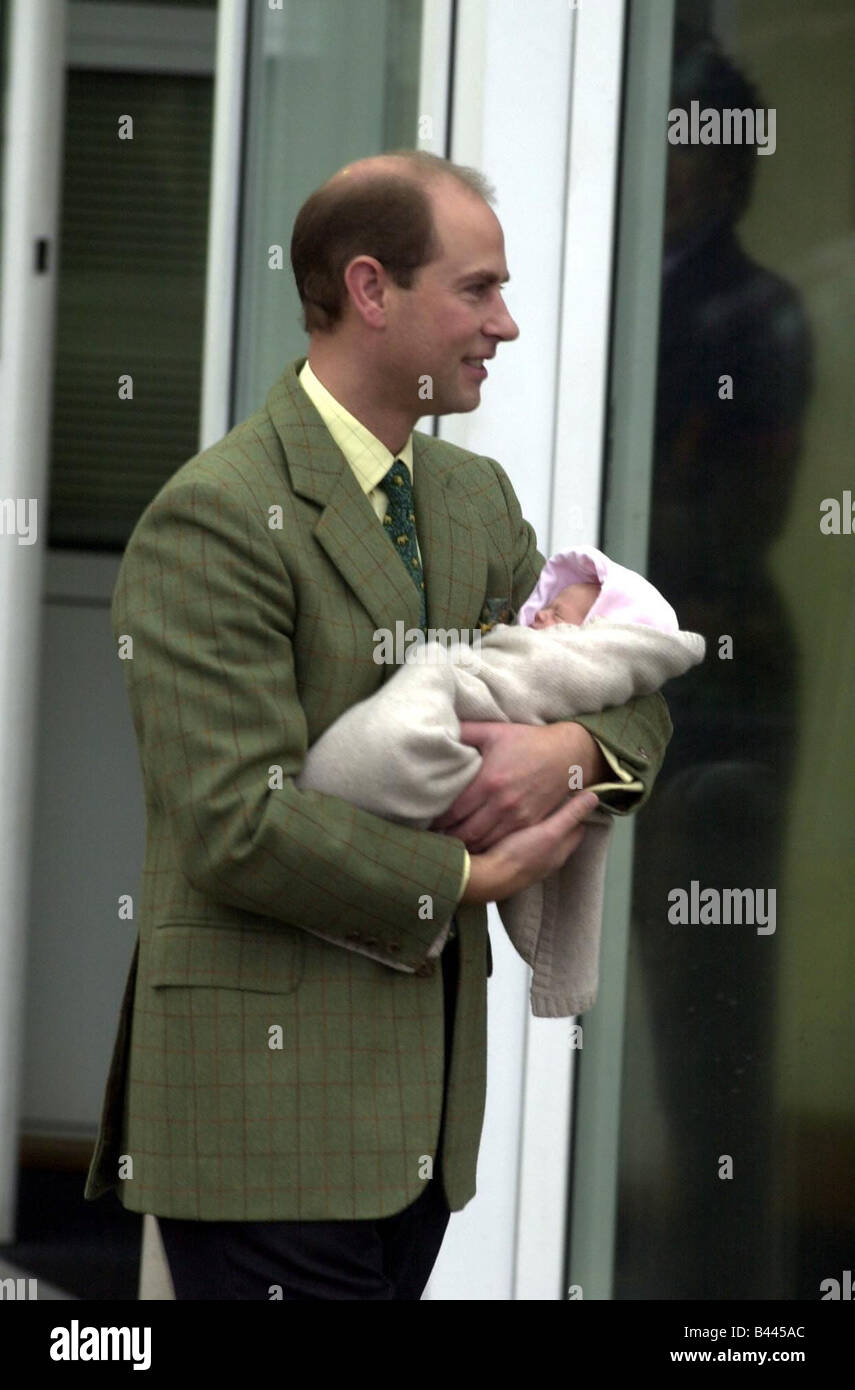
(453, 316)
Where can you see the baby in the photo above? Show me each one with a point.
(583, 585)
(604, 635)
(570, 605)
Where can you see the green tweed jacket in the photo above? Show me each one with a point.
(279, 1054)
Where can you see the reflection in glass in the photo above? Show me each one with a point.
(732, 1033)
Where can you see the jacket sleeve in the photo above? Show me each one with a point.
(633, 736)
(205, 596)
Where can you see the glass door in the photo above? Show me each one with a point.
(326, 83)
(715, 1151)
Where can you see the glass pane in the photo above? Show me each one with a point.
(130, 299)
(329, 82)
(736, 1167)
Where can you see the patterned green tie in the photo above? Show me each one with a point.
(400, 524)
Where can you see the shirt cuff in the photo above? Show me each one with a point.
(467, 865)
(450, 928)
(614, 795)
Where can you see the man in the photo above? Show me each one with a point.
(297, 1092)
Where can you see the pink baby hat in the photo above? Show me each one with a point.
(625, 597)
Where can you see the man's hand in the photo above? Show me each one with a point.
(529, 855)
(525, 775)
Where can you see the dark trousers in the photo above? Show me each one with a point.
(388, 1258)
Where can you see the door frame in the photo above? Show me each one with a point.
(34, 103)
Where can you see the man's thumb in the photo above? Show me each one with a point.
(475, 732)
(578, 808)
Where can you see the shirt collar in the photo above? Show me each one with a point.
(369, 459)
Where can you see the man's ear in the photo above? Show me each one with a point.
(367, 282)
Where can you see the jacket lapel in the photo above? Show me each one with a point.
(450, 536)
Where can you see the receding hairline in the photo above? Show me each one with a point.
(417, 168)
(386, 205)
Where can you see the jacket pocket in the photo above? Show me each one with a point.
(219, 957)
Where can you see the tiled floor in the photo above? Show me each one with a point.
(74, 1248)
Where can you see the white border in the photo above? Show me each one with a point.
(434, 88)
(434, 72)
(589, 253)
(223, 222)
(581, 386)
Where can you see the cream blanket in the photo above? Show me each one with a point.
(399, 755)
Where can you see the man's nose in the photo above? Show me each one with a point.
(501, 325)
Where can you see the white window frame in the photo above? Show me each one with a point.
(34, 99)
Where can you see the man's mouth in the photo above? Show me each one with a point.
(475, 365)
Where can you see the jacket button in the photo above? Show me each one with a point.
(427, 969)
(394, 945)
(643, 753)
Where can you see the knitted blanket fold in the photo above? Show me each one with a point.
(399, 755)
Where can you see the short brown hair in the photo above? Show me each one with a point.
(386, 215)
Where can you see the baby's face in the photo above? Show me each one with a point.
(571, 605)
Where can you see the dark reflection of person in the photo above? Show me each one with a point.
(722, 481)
